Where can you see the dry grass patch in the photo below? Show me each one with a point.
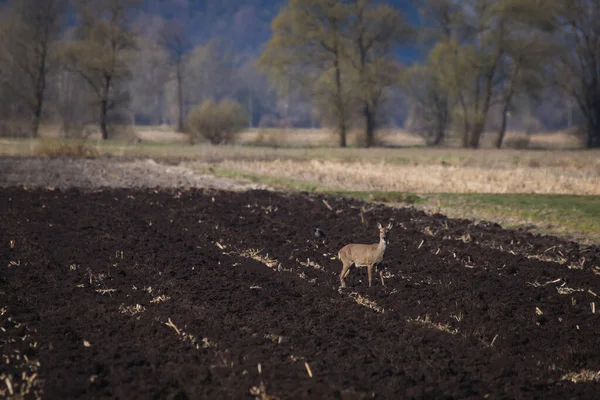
(310, 264)
(388, 177)
(161, 134)
(555, 140)
(365, 302)
(159, 299)
(547, 258)
(131, 310)
(52, 147)
(161, 144)
(585, 375)
(565, 290)
(256, 255)
(427, 322)
(310, 138)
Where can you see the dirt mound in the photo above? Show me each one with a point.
(210, 294)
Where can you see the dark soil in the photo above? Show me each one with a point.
(465, 316)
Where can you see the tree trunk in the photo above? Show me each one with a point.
(35, 124)
(37, 112)
(439, 136)
(39, 105)
(104, 107)
(593, 141)
(104, 119)
(342, 131)
(465, 136)
(593, 135)
(593, 121)
(161, 107)
(478, 128)
(340, 102)
(440, 132)
(40, 89)
(507, 103)
(466, 125)
(485, 107)
(369, 125)
(441, 122)
(502, 131)
(180, 124)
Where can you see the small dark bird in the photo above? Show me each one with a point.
(319, 234)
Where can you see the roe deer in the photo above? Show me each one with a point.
(364, 255)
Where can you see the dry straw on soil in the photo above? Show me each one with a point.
(427, 322)
(585, 375)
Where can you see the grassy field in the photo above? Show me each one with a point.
(550, 191)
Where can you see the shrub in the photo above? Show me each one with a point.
(216, 122)
(123, 133)
(71, 148)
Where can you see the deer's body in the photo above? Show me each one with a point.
(364, 255)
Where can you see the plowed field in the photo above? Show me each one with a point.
(166, 294)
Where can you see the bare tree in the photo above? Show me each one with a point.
(375, 30)
(101, 53)
(484, 56)
(576, 69)
(307, 48)
(28, 42)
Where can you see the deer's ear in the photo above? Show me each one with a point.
(379, 225)
(389, 226)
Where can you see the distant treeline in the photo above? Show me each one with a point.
(489, 65)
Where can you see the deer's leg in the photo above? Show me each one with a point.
(347, 271)
(344, 273)
(381, 276)
(370, 274)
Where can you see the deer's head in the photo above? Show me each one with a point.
(384, 232)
